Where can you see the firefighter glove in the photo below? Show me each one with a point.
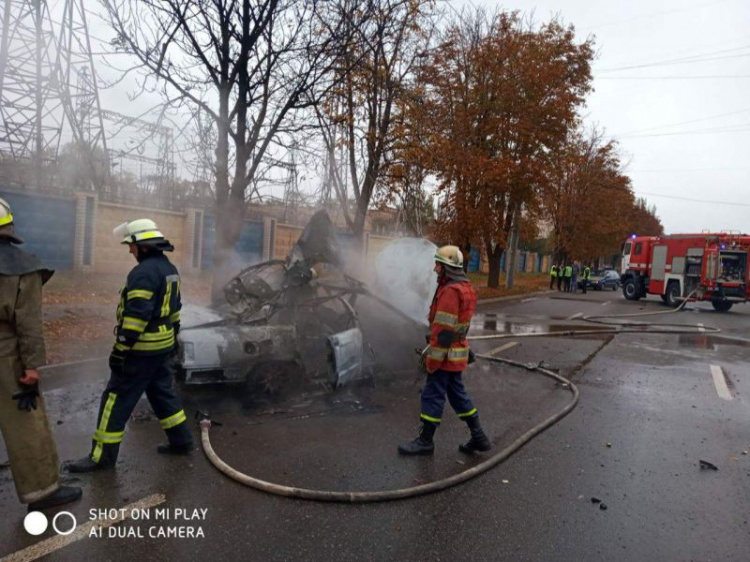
(27, 398)
(423, 361)
(117, 361)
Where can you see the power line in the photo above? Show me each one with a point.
(700, 57)
(709, 118)
(688, 199)
(718, 76)
(685, 60)
(684, 170)
(746, 128)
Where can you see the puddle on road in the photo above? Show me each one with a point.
(491, 323)
(709, 342)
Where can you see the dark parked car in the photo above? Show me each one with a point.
(599, 281)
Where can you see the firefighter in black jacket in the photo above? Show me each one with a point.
(148, 320)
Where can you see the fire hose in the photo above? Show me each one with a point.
(494, 460)
(401, 493)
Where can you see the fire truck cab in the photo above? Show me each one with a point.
(696, 267)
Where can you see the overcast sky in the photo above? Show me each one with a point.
(672, 85)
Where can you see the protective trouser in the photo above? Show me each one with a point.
(438, 385)
(149, 374)
(559, 281)
(31, 449)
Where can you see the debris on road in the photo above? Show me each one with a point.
(595, 500)
(603, 506)
(705, 465)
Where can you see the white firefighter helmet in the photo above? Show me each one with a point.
(6, 217)
(450, 256)
(136, 231)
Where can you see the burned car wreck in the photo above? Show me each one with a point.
(279, 317)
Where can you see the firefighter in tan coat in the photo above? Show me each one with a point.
(23, 419)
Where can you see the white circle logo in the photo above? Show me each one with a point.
(35, 523)
(54, 523)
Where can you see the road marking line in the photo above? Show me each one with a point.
(701, 328)
(50, 545)
(605, 303)
(503, 347)
(720, 383)
(576, 315)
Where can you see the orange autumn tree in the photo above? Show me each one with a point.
(499, 96)
(589, 202)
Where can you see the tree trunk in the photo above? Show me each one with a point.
(493, 257)
(511, 261)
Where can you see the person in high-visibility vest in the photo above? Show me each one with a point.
(568, 273)
(552, 275)
(560, 271)
(586, 276)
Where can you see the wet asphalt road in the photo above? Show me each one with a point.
(649, 411)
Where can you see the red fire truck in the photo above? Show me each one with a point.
(699, 267)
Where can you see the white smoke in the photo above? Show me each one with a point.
(405, 277)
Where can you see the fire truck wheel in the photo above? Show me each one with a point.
(721, 306)
(673, 295)
(630, 290)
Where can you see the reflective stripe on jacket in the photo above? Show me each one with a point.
(450, 315)
(149, 308)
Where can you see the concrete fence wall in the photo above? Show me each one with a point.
(76, 233)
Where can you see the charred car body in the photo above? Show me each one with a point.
(279, 315)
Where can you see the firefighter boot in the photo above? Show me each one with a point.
(169, 449)
(87, 464)
(61, 496)
(478, 441)
(423, 444)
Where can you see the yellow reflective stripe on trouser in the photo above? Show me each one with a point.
(171, 421)
(108, 437)
(97, 454)
(445, 318)
(458, 353)
(437, 353)
(467, 414)
(135, 324)
(140, 294)
(430, 418)
(175, 317)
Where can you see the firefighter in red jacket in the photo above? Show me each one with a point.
(447, 356)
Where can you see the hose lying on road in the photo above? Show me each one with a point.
(388, 495)
(499, 457)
